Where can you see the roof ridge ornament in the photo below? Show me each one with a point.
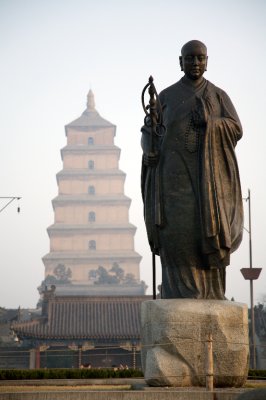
(90, 101)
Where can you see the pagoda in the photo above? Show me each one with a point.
(91, 239)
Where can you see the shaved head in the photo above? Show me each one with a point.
(192, 45)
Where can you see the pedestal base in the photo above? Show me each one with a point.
(174, 334)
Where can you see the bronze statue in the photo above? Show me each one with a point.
(190, 182)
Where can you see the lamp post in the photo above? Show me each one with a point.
(251, 274)
(9, 200)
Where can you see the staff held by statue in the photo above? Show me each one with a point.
(154, 122)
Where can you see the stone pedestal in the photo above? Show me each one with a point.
(174, 334)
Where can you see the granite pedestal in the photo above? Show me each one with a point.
(174, 334)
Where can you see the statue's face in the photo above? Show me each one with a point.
(194, 61)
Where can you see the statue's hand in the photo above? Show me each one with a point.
(200, 113)
(151, 159)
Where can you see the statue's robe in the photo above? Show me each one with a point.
(192, 199)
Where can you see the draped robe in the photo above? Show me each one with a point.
(192, 198)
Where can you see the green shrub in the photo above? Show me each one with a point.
(257, 374)
(103, 373)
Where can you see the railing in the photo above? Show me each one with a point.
(105, 357)
(101, 357)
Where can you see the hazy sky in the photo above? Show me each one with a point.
(54, 51)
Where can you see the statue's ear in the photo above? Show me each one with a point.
(206, 63)
(181, 63)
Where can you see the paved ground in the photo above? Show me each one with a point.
(112, 389)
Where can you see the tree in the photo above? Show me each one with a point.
(119, 272)
(62, 274)
(105, 277)
(130, 279)
(115, 276)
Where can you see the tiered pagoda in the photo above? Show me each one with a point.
(91, 240)
(92, 294)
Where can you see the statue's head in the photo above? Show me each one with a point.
(193, 59)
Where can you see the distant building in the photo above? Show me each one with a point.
(7, 316)
(91, 240)
(101, 331)
(12, 353)
(92, 293)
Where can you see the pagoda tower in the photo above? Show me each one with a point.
(91, 240)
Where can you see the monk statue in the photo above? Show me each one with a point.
(190, 183)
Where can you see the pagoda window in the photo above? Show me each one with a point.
(91, 164)
(90, 140)
(92, 245)
(91, 190)
(92, 216)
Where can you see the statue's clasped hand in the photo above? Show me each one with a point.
(151, 159)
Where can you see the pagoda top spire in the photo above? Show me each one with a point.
(90, 101)
(90, 118)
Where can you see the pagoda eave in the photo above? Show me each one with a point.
(93, 256)
(69, 230)
(87, 149)
(65, 200)
(86, 173)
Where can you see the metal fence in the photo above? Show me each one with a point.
(58, 357)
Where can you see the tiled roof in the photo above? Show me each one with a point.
(86, 318)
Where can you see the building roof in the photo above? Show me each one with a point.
(90, 117)
(88, 318)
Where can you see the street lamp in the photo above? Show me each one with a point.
(9, 200)
(251, 274)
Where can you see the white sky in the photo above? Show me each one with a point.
(53, 51)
